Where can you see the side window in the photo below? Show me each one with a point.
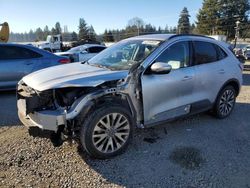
(221, 54)
(205, 52)
(14, 52)
(95, 49)
(177, 55)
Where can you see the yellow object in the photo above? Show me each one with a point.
(4, 32)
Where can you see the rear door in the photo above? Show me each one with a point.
(15, 62)
(167, 96)
(210, 70)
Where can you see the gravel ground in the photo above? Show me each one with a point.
(199, 151)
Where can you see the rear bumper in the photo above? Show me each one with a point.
(45, 120)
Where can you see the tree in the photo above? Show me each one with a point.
(74, 36)
(183, 23)
(91, 33)
(53, 31)
(135, 25)
(208, 17)
(58, 29)
(219, 16)
(166, 30)
(230, 12)
(39, 34)
(46, 32)
(149, 29)
(83, 29)
(108, 36)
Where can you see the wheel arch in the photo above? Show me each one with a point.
(112, 99)
(233, 82)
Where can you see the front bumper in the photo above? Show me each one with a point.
(45, 120)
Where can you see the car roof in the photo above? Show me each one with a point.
(90, 45)
(161, 37)
(164, 37)
(28, 46)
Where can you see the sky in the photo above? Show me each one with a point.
(23, 15)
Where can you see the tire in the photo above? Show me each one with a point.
(103, 142)
(225, 102)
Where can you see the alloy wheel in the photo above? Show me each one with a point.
(111, 132)
(226, 103)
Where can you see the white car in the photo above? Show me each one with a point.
(82, 53)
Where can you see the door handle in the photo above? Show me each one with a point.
(221, 71)
(187, 78)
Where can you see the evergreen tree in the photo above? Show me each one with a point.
(166, 30)
(74, 36)
(83, 29)
(108, 36)
(232, 11)
(46, 32)
(53, 31)
(91, 33)
(208, 17)
(183, 23)
(58, 29)
(39, 34)
(220, 16)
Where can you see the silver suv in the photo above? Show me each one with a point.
(138, 82)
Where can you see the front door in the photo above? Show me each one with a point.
(167, 96)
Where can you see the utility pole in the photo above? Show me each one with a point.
(237, 32)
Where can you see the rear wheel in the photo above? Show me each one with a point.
(107, 131)
(225, 102)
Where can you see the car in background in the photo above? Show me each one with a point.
(247, 47)
(18, 60)
(82, 52)
(247, 54)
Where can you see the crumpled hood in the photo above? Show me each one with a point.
(71, 75)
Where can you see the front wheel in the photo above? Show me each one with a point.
(225, 102)
(107, 131)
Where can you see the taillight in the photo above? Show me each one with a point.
(63, 61)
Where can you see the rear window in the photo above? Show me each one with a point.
(15, 52)
(204, 52)
(221, 54)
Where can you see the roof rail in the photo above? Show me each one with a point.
(192, 35)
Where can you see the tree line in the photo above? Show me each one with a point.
(214, 17)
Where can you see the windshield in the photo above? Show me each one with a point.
(124, 54)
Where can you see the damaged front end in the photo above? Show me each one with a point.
(53, 108)
(38, 109)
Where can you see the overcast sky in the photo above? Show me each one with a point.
(23, 15)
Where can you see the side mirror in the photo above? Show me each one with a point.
(160, 68)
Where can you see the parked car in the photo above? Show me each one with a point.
(245, 48)
(138, 82)
(83, 52)
(247, 54)
(18, 60)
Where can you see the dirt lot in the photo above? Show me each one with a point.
(198, 151)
